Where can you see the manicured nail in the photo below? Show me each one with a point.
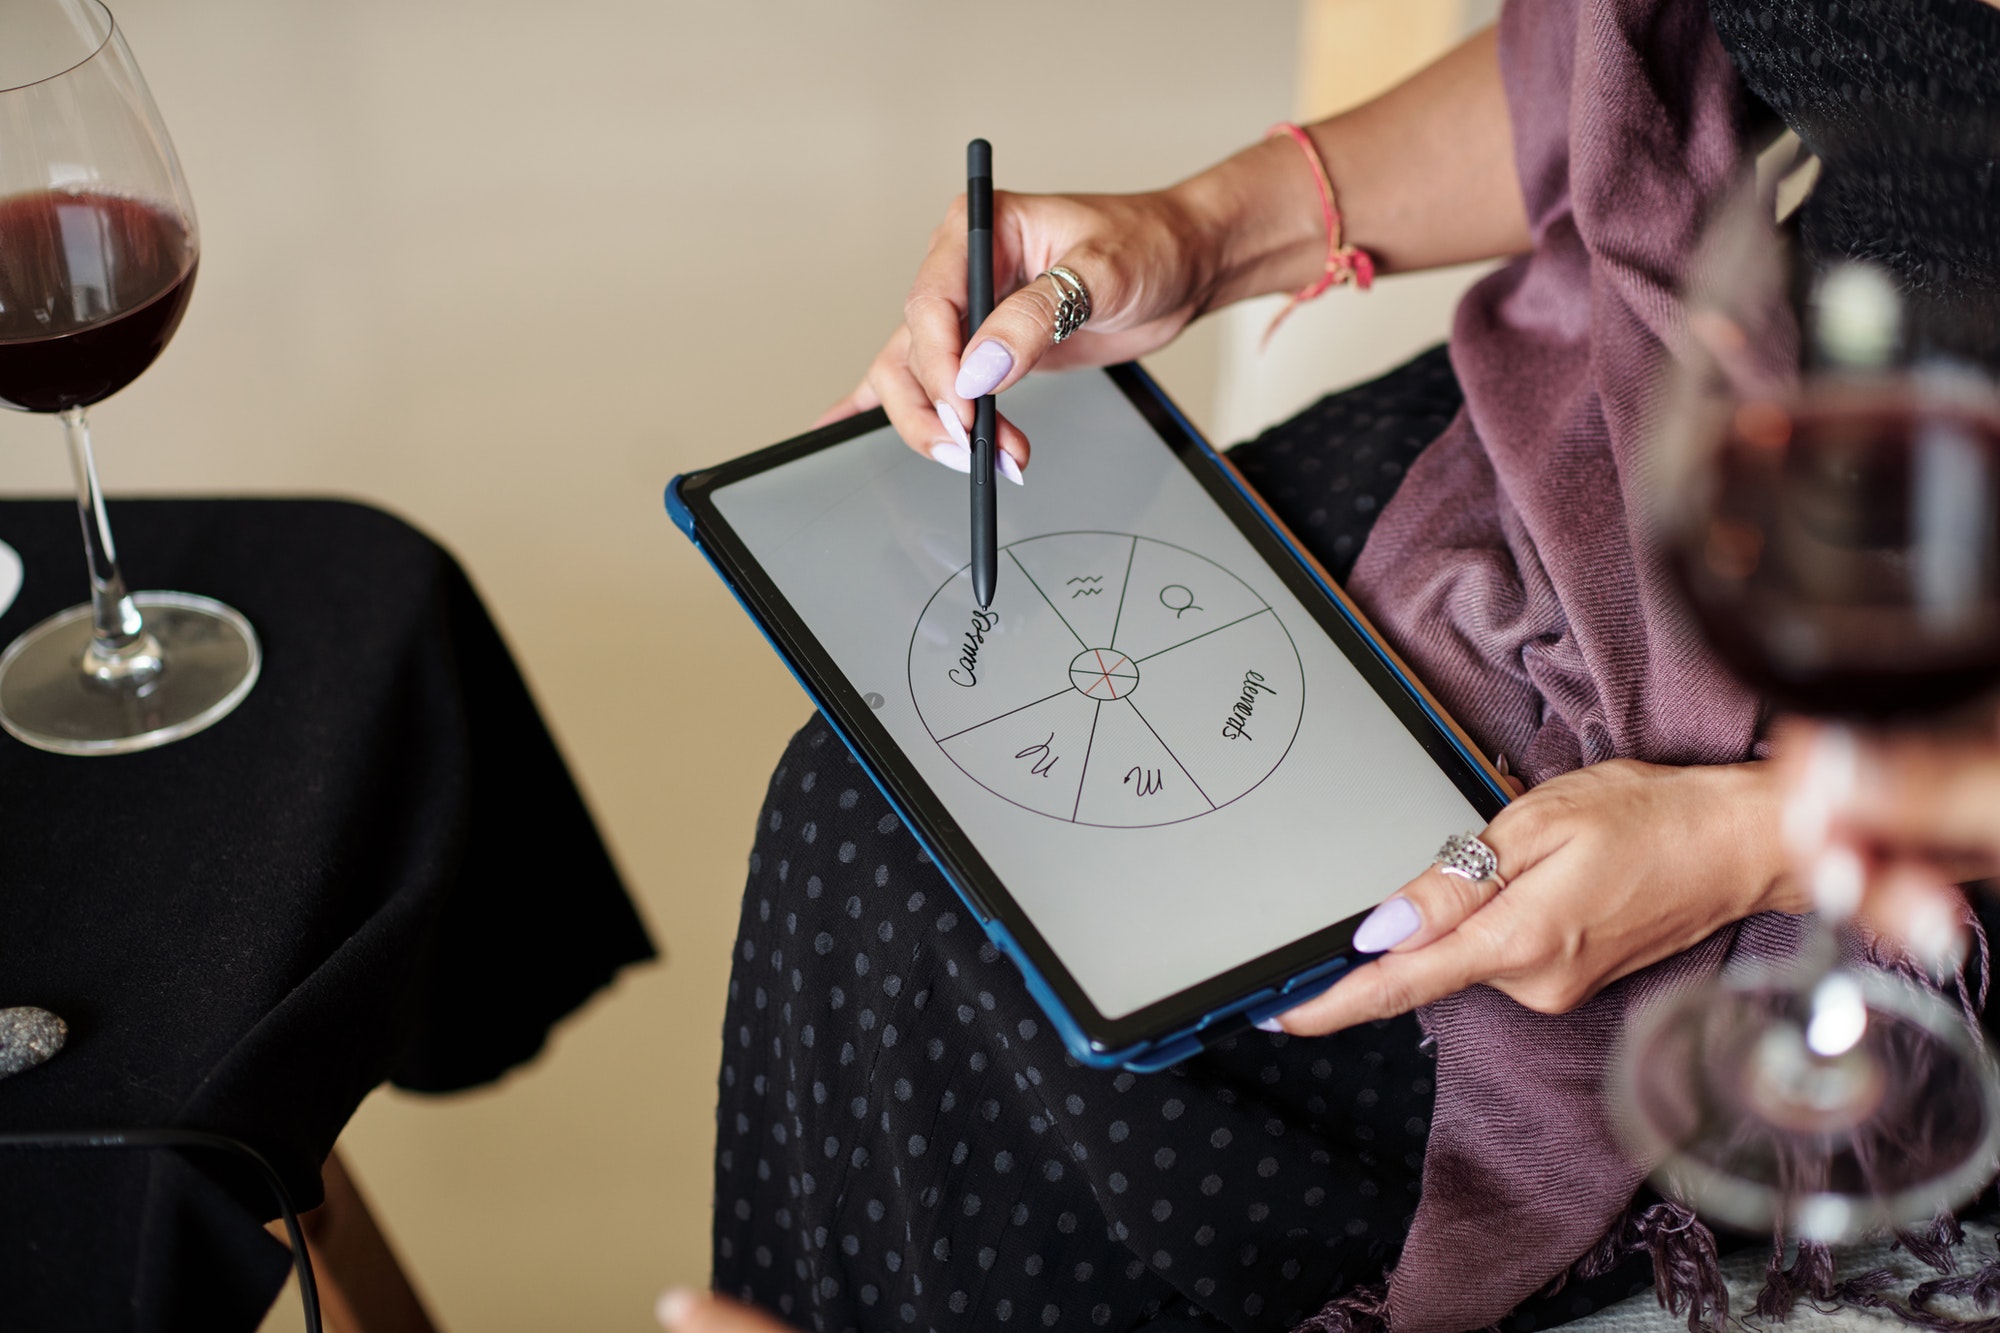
(1268, 1025)
(1388, 926)
(983, 367)
(953, 426)
(952, 454)
(674, 1305)
(1838, 879)
(1008, 467)
(1932, 932)
(1839, 1015)
(1823, 789)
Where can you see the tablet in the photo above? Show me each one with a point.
(1169, 768)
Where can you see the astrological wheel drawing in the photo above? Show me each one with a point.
(1116, 680)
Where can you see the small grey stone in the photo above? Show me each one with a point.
(28, 1037)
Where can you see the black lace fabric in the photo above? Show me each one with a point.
(1901, 102)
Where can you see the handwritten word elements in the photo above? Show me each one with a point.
(1236, 727)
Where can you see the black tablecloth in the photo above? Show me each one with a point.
(376, 868)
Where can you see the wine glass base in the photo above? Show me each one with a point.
(211, 658)
(1751, 1125)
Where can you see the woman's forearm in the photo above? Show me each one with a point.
(1425, 177)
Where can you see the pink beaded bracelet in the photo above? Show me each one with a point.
(1342, 261)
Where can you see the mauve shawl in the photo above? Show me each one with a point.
(1510, 571)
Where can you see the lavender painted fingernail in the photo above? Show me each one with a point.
(1008, 467)
(1839, 879)
(1934, 935)
(953, 455)
(983, 367)
(674, 1306)
(1268, 1025)
(952, 425)
(1388, 926)
(1824, 788)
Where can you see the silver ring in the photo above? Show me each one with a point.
(1073, 303)
(1466, 856)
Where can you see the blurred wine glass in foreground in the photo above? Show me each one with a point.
(98, 252)
(1829, 503)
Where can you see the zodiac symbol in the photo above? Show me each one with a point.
(1086, 592)
(1040, 767)
(1177, 606)
(1148, 780)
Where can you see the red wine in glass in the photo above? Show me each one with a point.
(91, 288)
(1829, 503)
(98, 251)
(1844, 556)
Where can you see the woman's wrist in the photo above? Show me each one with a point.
(1755, 793)
(1423, 176)
(1252, 224)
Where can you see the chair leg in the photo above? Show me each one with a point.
(362, 1288)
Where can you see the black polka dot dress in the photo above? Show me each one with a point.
(903, 1142)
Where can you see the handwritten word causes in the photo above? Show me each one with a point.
(966, 673)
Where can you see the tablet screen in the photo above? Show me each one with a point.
(1162, 755)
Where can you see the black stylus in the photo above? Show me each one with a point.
(978, 305)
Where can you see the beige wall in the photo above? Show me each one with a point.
(505, 267)
(1348, 51)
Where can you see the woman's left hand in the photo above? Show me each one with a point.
(1607, 869)
(685, 1310)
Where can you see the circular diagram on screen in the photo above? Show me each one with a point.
(1116, 680)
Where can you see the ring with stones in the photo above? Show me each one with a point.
(1073, 301)
(1466, 856)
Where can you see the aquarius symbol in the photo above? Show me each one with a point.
(1086, 592)
(1148, 780)
(1040, 767)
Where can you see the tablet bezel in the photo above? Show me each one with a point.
(1233, 991)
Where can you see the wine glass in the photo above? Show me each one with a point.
(1828, 494)
(98, 252)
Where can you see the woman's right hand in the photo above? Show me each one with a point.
(1899, 818)
(1425, 177)
(1147, 261)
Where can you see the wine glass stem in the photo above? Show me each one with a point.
(120, 652)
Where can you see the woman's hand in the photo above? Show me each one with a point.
(1608, 869)
(1897, 820)
(683, 1310)
(1147, 260)
(1424, 174)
